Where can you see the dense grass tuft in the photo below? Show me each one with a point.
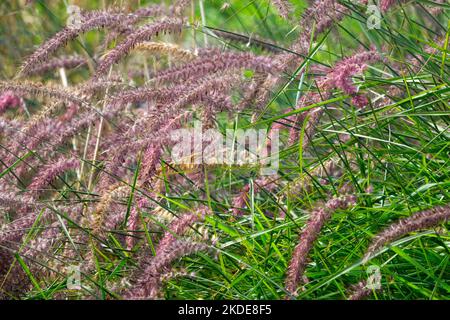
(358, 96)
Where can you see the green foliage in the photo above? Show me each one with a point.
(396, 157)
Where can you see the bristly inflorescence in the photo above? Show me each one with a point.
(66, 62)
(28, 88)
(359, 291)
(144, 33)
(318, 217)
(284, 7)
(419, 221)
(148, 282)
(91, 22)
(51, 171)
(91, 124)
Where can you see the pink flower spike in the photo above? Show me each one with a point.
(9, 100)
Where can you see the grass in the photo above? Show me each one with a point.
(396, 158)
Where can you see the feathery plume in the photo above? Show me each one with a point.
(128, 21)
(214, 61)
(156, 137)
(101, 85)
(38, 249)
(359, 291)
(386, 4)
(308, 236)
(38, 89)
(177, 97)
(148, 94)
(322, 14)
(91, 21)
(149, 280)
(10, 238)
(152, 10)
(283, 6)
(13, 201)
(106, 217)
(178, 7)
(204, 88)
(133, 221)
(9, 128)
(9, 100)
(180, 226)
(51, 171)
(165, 48)
(436, 10)
(340, 75)
(123, 22)
(360, 101)
(418, 221)
(142, 34)
(54, 134)
(148, 286)
(153, 153)
(12, 233)
(67, 62)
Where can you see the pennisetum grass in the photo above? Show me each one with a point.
(89, 179)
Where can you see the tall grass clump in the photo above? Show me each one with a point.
(355, 101)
